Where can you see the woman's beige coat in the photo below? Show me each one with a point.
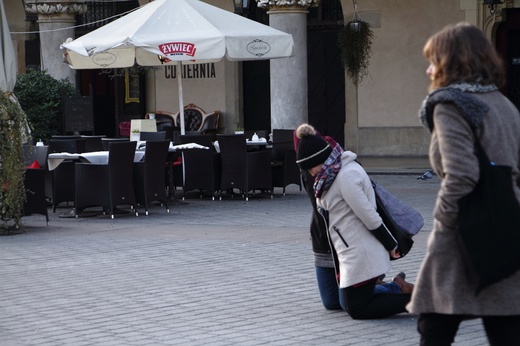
(351, 204)
(443, 285)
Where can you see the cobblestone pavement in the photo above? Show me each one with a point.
(224, 272)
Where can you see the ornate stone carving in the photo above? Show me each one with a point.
(491, 16)
(55, 8)
(287, 3)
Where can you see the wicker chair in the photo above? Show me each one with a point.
(63, 175)
(35, 183)
(35, 203)
(149, 182)
(243, 171)
(162, 118)
(153, 136)
(285, 169)
(196, 119)
(68, 145)
(201, 167)
(93, 143)
(107, 140)
(114, 182)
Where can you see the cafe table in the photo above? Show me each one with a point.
(95, 157)
(174, 152)
(101, 158)
(257, 145)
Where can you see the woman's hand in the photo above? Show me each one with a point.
(395, 254)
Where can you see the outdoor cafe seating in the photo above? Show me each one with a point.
(97, 177)
(138, 174)
(285, 168)
(202, 168)
(149, 182)
(113, 181)
(242, 170)
(195, 119)
(35, 181)
(63, 176)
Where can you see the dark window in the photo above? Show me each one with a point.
(102, 12)
(327, 16)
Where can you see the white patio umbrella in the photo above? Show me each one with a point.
(166, 32)
(8, 66)
(7, 56)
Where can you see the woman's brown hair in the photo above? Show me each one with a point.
(461, 53)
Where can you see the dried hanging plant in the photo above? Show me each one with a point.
(355, 44)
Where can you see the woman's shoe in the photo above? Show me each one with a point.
(401, 275)
(405, 287)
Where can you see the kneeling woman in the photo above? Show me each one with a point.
(362, 243)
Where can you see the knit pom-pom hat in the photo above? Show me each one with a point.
(312, 150)
(305, 130)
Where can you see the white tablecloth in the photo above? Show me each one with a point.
(95, 157)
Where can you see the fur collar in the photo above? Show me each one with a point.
(460, 95)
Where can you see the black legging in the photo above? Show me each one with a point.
(362, 303)
(440, 330)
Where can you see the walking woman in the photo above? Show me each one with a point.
(465, 74)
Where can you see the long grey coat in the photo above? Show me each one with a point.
(443, 285)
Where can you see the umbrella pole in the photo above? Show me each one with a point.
(181, 101)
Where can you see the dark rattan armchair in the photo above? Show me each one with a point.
(35, 183)
(153, 136)
(202, 167)
(149, 182)
(108, 186)
(196, 119)
(242, 170)
(35, 203)
(63, 175)
(285, 168)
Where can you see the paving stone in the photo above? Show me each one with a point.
(224, 272)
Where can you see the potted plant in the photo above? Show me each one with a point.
(239, 130)
(40, 96)
(135, 135)
(355, 44)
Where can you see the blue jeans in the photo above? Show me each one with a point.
(330, 293)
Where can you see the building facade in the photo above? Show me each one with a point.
(378, 117)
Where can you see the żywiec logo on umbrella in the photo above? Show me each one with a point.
(178, 48)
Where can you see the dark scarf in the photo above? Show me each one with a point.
(460, 96)
(329, 171)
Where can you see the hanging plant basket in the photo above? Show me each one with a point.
(355, 44)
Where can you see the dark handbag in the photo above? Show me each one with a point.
(399, 218)
(489, 223)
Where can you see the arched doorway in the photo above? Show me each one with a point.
(256, 84)
(326, 77)
(508, 45)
